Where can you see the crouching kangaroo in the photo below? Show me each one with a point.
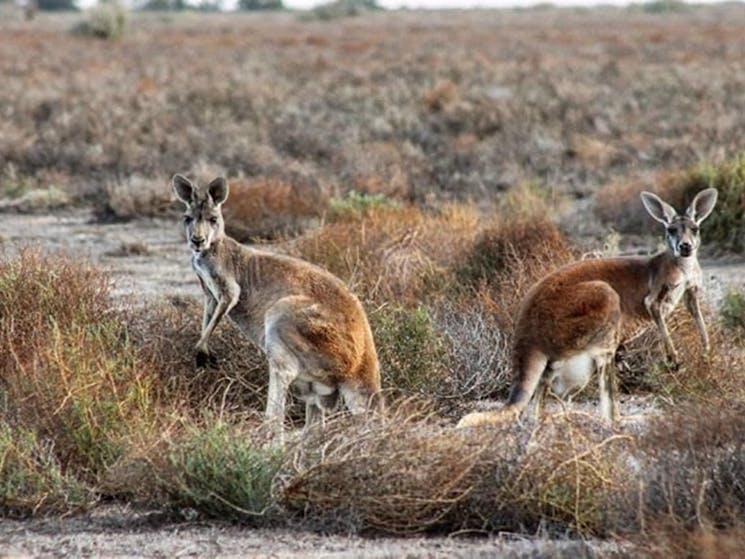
(313, 330)
(572, 322)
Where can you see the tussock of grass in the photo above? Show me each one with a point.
(405, 476)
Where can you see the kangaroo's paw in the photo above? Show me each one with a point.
(206, 359)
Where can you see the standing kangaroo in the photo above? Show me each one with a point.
(573, 320)
(313, 330)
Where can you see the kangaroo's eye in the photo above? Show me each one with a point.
(694, 229)
(188, 219)
(671, 230)
(213, 220)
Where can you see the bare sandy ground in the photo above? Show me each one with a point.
(147, 259)
(115, 531)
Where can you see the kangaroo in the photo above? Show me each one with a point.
(573, 321)
(312, 329)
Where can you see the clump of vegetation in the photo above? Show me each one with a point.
(665, 6)
(725, 227)
(220, 470)
(412, 353)
(32, 478)
(71, 374)
(134, 197)
(392, 253)
(511, 256)
(356, 205)
(733, 311)
(270, 208)
(260, 5)
(105, 20)
(343, 8)
(165, 335)
(693, 471)
(409, 476)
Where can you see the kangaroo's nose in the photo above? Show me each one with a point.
(197, 240)
(686, 248)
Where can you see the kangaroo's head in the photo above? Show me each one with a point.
(203, 219)
(681, 230)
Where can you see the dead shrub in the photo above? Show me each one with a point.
(478, 350)
(511, 256)
(273, 207)
(165, 336)
(694, 467)
(405, 475)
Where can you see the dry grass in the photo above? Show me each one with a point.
(405, 475)
(510, 96)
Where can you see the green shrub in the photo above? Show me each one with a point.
(664, 6)
(253, 5)
(219, 471)
(725, 227)
(31, 477)
(733, 311)
(618, 203)
(343, 8)
(105, 20)
(413, 355)
(358, 204)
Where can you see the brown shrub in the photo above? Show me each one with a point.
(440, 96)
(511, 256)
(404, 475)
(400, 254)
(273, 207)
(165, 336)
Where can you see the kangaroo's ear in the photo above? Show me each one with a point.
(218, 190)
(702, 205)
(183, 188)
(658, 208)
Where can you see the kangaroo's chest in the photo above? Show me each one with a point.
(669, 293)
(207, 273)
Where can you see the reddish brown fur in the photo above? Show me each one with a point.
(572, 321)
